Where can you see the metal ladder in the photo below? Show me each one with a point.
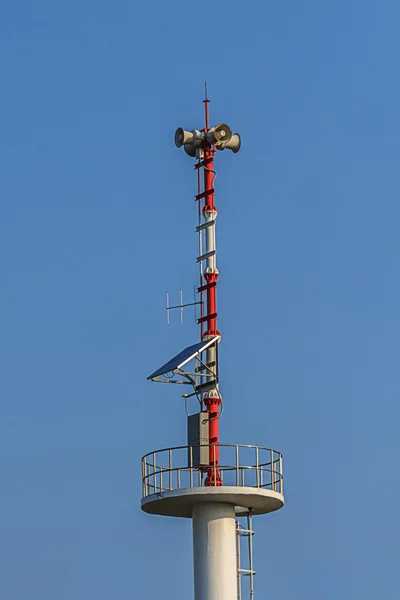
(244, 533)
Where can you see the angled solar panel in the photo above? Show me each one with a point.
(178, 361)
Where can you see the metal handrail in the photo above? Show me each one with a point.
(266, 474)
(209, 446)
(157, 488)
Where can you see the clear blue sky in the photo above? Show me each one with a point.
(97, 222)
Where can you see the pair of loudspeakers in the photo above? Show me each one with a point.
(233, 144)
(220, 136)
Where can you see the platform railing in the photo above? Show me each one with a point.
(243, 466)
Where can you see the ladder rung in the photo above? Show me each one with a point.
(205, 367)
(205, 225)
(207, 317)
(206, 255)
(204, 194)
(246, 572)
(205, 161)
(207, 286)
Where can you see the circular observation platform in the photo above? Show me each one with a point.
(173, 479)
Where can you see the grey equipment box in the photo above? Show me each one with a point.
(197, 435)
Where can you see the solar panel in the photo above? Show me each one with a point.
(178, 361)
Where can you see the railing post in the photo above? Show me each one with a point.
(170, 469)
(257, 469)
(215, 470)
(280, 474)
(154, 472)
(191, 466)
(237, 464)
(272, 470)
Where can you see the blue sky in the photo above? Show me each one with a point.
(97, 222)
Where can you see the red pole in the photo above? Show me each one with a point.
(212, 403)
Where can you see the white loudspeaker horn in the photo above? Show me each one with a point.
(183, 137)
(220, 134)
(190, 150)
(233, 144)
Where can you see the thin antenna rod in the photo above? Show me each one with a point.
(206, 102)
(167, 308)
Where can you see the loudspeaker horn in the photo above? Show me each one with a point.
(198, 139)
(233, 144)
(220, 134)
(190, 150)
(183, 137)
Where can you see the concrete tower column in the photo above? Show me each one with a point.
(214, 551)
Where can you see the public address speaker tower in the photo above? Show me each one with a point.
(219, 486)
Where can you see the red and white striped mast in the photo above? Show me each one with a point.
(211, 398)
(203, 144)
